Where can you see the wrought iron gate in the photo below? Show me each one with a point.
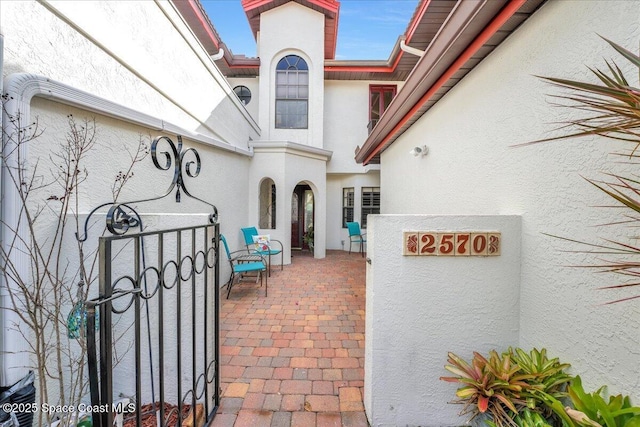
(175, 299)
(152, 334)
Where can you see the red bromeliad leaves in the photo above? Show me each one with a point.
(483, 403)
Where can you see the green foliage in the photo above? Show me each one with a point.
(491, 385)
(529, 418)
(547, 374)
(592, 410)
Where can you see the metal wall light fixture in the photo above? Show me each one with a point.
(419, 151)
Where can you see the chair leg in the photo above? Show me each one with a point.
(349, 246)
(230, 284)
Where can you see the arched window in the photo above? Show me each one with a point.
(267, 218)
(292, 93)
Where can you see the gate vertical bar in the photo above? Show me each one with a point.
(106, 335)
(193, 326)
(138, 362)
(92, 361)
(161, 321)
(216, 332)
(179, 322)
(205, 306)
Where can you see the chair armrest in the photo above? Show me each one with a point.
(278, 242)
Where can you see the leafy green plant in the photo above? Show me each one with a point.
(548, 379)
(547, 374)
(592, 410)
(492, 386)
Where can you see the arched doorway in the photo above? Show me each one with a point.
(302, 214)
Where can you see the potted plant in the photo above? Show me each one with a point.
(307, 238)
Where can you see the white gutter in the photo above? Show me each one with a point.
(20, 89)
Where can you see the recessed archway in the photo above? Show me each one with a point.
(267, 204)
(302, 217)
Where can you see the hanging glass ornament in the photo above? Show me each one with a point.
(77, 319)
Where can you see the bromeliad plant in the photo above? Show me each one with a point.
(520, 389)
(514, 389)
(548, 379)
(492, 386)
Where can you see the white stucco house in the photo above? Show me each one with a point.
(296, 138)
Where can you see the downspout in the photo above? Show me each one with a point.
(13, 344)
(3, 296)
(411, 50)
(218, 55)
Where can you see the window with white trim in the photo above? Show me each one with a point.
(370, 203)
(292, 93)
(348, 198)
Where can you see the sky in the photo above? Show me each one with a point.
(367, 29)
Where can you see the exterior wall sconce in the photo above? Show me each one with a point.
(419, 151)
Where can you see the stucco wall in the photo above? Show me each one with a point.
(346, 114)
(253, 85)
(418, 308)
(472, 168)
(116, 141)
(292, 29)
(165, 72)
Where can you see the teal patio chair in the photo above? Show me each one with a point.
(248, 233)
(244, 263)
(356, 236)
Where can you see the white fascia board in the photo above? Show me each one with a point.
(289, 147)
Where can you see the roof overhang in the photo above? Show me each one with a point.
(469, 33)
(230, 65)
(329, 8)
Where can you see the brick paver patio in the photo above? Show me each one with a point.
(296, 357)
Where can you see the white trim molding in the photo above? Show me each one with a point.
(289, 147)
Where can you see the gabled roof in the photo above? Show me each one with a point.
(470, 33)
(330, 9)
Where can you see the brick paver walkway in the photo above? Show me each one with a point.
(296, 357)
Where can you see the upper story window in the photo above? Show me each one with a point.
(292, 93)
(243, 93)
(379, 99)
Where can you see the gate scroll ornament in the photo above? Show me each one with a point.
(121, 216)
(192, 278)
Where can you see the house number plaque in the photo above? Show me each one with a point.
(451, 243)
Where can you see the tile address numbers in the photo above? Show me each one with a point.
(451, 243)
